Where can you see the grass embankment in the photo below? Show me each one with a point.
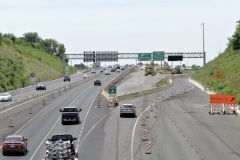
(17, 62)
(228, 63)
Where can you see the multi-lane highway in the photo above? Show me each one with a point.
(179, 127)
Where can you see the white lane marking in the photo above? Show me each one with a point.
(93, 128)
(34, 117)
(54, 126)
(45, 138)
(134, 128)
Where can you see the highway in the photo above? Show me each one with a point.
(182, 129)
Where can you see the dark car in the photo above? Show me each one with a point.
(66, 78)
(127, 110)
(70, 114)
(97, 82)
(40, 86)
(112, 70)
(14, 144)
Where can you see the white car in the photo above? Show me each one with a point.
(107, 73)
(85, 76)
(118, 71)
(143, 68)
(5, 97)
(93, 71)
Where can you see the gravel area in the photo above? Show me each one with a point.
(137, 81)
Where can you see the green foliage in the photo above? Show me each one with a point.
(228, 64)
(20, 57)
(234, 42)
(0, 38)
(163, 82)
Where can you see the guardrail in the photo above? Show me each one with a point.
(44, 94)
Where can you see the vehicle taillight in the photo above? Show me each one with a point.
(5, 145)
(20, 145)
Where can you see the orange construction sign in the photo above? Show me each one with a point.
(221, 98)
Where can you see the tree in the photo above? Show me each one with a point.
(184, 65)
(31, 38)
(61, 50)
(234, 42)
(0, 38)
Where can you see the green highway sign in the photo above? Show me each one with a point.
(145, 57)
(112, 89)
(158, 56)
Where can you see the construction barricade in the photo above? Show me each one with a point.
(220, 108)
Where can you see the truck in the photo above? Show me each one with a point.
(70, 114)
(150, 69)
(61, 147)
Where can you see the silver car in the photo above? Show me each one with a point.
(127, 110)
(5, 97)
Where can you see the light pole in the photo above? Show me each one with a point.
(204, 54)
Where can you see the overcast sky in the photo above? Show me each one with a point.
(126, 25)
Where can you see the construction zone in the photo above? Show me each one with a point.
(149, 69)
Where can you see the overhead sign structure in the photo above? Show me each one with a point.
(175, 58)
(107, 56)
(144, 57)
(221, 98)
(112, 89)
(89, 56)
(158, 56)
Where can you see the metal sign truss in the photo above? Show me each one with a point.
(135, 55)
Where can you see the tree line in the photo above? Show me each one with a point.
(51, 46)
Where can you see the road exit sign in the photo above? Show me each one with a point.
(112, 89)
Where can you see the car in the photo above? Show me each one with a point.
(127, 110)
(40, 86)
(66, 78)
(5, 97)
(101, 71)
(85, 76)
(143, 68)
(122, 68)
(14, 144)
(112, 70)
(93, 71)
(107, 73)
(70, 114)
(118, 71)
(97, 82)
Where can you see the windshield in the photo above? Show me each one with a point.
(70, 110)
(127, 106)
(62, 137)
(13, 139)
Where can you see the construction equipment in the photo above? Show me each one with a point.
(177, 70)
(59, 150)
(149, 69)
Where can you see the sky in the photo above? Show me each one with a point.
(126, 26)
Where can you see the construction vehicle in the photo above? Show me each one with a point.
(177, 70)
(149, 69)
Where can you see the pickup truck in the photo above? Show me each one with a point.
(61, 146)
(70, 114)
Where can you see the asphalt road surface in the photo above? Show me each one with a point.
(182, 129)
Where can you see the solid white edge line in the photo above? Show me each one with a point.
(54, 126)
(134, 128)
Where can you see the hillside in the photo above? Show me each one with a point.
(228, 63)
(18, 61)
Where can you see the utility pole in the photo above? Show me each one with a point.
(204, 54)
